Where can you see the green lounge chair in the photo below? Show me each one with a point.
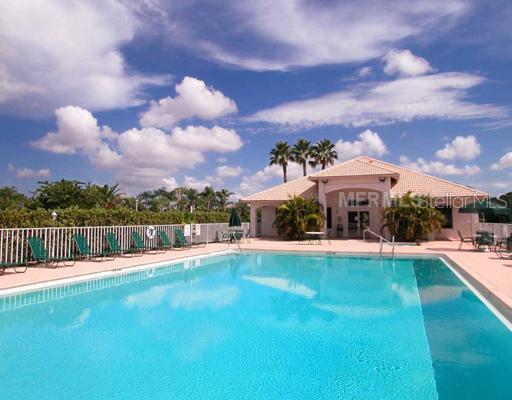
(181, 240)
(139, 245)
(164, 239)
(114, 247)
(85, 250)
(39, 254)
(4, 265)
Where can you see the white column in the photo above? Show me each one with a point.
(254, 220)
(322, 199)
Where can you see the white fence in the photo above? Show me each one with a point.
(59, 242)
(499, 230)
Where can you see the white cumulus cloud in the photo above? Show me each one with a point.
(193, 99)
(462, 147)
(504, 162)
(140, 159)
(369, 143)
(438, 167)
(59, 52)
(226, 171)
(404, 63)
(33, 173)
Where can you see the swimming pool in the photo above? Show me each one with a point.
(258, 325)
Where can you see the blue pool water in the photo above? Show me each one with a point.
(258, 326)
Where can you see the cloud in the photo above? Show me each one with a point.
(263, 178)
(33, 173)
(437, 96)
(438, 167)
(299, 33)
(369, 143)
(201, 138)
(463, 148)
(404, 63)
(193, 99)
(77, 130)
(66, 52)
(504, 162)
(140, 159)
(226, 171)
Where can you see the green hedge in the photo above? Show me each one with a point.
(102, 217)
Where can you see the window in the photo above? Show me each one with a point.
(448, 216)
(329, 217)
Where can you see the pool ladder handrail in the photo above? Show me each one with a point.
(382, 241)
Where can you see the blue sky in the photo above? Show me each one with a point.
(163, 93)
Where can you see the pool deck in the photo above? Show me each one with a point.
(491, 275)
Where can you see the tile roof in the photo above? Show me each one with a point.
(423, 184)
(404, 180)
(353, 167)
(298, 187)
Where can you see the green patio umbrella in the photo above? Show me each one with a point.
(486, 206)
(234, 218)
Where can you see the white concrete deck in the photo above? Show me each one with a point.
(492, 274)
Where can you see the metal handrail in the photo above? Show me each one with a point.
(382, 240)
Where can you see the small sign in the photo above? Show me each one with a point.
(186, 230)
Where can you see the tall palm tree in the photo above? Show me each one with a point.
(281, 154)
(323, 153)
(223, 196)
(208, 195)
(301, 153)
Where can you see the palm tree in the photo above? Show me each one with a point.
(301, 153)
(296, 216)
(223, 196)
(413, 218)
(323, 153)
(280, 155)
(109, 196)
(208, 195)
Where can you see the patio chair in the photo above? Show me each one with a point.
(139, 245)
(85, 250)
(181, 240)
(504, 247)
(39, 254)
(165, 241)
(4, 265)
(503, 242)
(114, 247)
(465, 239)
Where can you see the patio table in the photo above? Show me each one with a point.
(313, 236)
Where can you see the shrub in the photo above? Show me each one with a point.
(412, 218)
(105, 217)
(296, 216)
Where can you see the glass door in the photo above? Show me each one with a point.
(358, 221)
(353, 223)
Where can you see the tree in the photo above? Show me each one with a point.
(11, 199)
(281, 154)
(301, 153)
(323, 153)
(61, 194)
(298, 215)
(412, 218)
(223, 196)
(109, 196)
(208, 196)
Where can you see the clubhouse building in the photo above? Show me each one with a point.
(354, 193)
